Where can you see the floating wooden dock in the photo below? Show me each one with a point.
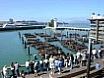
(43, 47)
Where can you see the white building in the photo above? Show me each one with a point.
(97, 27)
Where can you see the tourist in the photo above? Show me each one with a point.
(46, 55)
(5, 71)
(46, 64)
(94, 52)
(36, 63)
(36, 66)
(63, 58)
(41, 65)
(2, 75)
(16, 65)
(78, 54)
(56, 63)
(32, 66)
(97, 66)
(83, 59)
(75, 60)
(27, 66)
(51, 63)
(99, 53)
(12, 69)
(66, 63)
(59, 65)
(72, 60)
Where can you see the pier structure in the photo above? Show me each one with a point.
(67, 73)
(43, 47)
(28, 38)
(73, 28)
(63, 27)
(56, 26)
(69, 28)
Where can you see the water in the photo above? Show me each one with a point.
(12, 49)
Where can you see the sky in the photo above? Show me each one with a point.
(44, 10)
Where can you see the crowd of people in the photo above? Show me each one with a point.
(14, 68)
(52, 63)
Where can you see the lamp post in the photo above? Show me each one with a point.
(89, 57)
(61, 36)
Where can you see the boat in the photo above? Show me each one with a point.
(20, 26)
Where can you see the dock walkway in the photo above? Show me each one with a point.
(67, 71)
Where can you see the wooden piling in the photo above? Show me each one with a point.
(25, 44)
(22, 40)
(19, 34)
(28, 50)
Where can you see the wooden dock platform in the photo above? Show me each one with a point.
(67, 72)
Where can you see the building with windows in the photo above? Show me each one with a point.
(97, 27)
